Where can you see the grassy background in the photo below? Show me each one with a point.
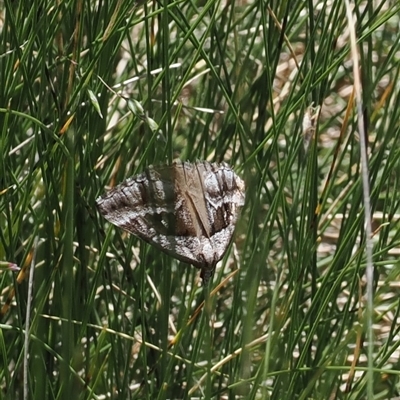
(91, 93)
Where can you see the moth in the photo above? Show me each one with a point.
(187, 210)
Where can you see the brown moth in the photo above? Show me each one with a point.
(188, 210)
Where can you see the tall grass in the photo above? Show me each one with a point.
(91, 93)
